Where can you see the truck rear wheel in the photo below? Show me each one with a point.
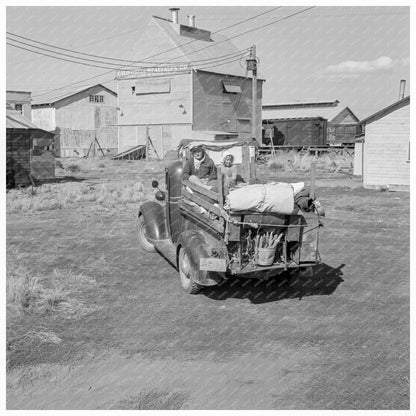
(187, 273)
(143, 241)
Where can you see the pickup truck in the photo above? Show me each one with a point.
(191, 227)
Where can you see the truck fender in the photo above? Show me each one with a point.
(155, 218)
(196, 246)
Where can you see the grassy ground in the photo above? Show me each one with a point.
(94, 322)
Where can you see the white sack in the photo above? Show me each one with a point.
(297, 187)
(275, 197)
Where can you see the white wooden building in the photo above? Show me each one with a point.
(77, 117)
(384, 143)
(197, 89)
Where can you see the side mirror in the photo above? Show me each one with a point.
(155, 184)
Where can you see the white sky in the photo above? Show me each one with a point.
(357, 55)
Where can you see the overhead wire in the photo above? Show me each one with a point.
(176, 47)
(240, 34)
(146, 60)
(57, 53)
(89, 43)
(214, 65)
(215, 32)
(211, 60)
(252, 30)
(97, 56)
(62, 59)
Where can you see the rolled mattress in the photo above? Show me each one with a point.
(275, 197)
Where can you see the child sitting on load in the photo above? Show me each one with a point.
(230, 172)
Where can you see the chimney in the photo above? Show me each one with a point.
(191, 20)
(174, 13)
(402, 89)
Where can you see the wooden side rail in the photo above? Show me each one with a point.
(217, 225)
(201, 190)
(201, 202)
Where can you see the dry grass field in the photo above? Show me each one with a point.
(94, 322)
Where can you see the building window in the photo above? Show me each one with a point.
(231, 87)
(96, 98)
(19, 108)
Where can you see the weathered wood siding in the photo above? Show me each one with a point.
(42, 158)
(342, 133)
(18, 156)
(386, 150)
(79, 122)
(44, 118)
(214, 109)
(29, 152)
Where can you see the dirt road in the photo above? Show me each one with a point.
(336, 340)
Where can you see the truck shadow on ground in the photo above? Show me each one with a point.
(323, 281)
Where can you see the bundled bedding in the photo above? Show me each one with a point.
(278, 197)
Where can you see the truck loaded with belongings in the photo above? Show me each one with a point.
(212, 233)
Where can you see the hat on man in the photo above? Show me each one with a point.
(196, 148)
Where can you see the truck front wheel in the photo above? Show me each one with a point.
(144, 243)
(187, 273)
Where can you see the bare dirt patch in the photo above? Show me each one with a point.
(131, 339)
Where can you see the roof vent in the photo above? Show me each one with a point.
(175, 15)
(191, 20)
(402, 89)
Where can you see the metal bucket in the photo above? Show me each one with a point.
(265, 256)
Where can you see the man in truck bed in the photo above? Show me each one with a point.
(200, 168)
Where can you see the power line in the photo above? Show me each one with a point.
(61, 59)
(243, 33)
(85, 44)
(220, 30)
(256, 28)
(117, 66)
(217, 64)
(57, 53)
(145, 59)
(87, 54)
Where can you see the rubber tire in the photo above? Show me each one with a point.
(144, 243)
(187, 273)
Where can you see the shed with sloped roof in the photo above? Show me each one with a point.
(29, 151)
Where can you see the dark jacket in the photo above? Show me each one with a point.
(207, 169)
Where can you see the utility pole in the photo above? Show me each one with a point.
(252, 66)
